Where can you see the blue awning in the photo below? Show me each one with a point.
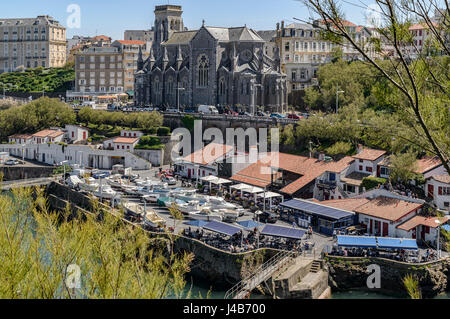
(222, 228)
(446, 227)
(250, 224)
(285, 232)
(318, 209)
(197, 223)
(357, 241)
(397, 243)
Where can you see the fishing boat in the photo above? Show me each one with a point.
(88, 184)
(150, 217)
(116, 181)
(192, 206)
(152, 197)
(106, 192)
(206, 215)
(189, 195)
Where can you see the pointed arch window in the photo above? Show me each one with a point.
(170, 86)
(222, 87)
(203, 71)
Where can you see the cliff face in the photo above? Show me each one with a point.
(352, 273)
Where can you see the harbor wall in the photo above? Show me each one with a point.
(12, 173)
(347, 273)
(222, 268)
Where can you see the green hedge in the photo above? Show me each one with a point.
(372, 182)
(163, 131)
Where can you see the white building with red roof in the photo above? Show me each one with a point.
(437, 188)
(48, 136)
(121, 143)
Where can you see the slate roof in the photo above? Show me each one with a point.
(181, 37)
(234, 34)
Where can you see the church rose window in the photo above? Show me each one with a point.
(203, 71)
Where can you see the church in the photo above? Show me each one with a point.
(209, 66)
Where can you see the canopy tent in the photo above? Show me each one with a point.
(397, 243)
(376, 242)
(220, 181)
(240, 187)
(317, 209)
(249, 224)
(270, 196)
(357, 241)
(285, 232)
(196, 223)
(211, 179)
(253, 190)
(222, 228)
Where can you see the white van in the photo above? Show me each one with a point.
(207, 109)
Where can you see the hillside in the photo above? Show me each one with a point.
(35, 80)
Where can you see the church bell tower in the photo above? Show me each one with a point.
(168, 19)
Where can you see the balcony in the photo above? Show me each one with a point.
(325, 184)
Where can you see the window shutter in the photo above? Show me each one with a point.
(440, 190)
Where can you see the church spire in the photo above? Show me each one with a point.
(152, 59)
(165, 59)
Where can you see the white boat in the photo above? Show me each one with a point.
(73, 181)
(106, 192)
(152, 197)
(228, 214)
(89, 184)
(129, 190)
(220, 203)
(115, 181)
(192, 206)
(150, 217)
(189, 195)
(206, 215)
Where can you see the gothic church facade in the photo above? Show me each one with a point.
(209, 66)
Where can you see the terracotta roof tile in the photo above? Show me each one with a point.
(427, 163)
(125, 140)
(425, 221)
(369, 154)
(22, 136)
(387, 208)
(349, 204)
(45, 133)
(442, 178)
(208, 154)
(131, 42)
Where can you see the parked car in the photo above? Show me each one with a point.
(277, 115)
(263, 114)
(169, 180)
(172, 111)
(207, 109)
(245, 114)
(268, 217)
(293, 116)
(101, 174)
(12, 162)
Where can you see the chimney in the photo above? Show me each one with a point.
(360, 148)
(278, 26)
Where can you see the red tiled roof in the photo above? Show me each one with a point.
(21, 136)
(427, 163)
(425, 221)
(309, 168)
(442, 178)
(125, 140)
(46, 133)
(101, 37)
(387, 208)
(56, 134)
(349, 204)
(369, 154)
(420, 26)
(209, 153)
(131, 42)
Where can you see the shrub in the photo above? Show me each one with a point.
(372, 182)
(163, 131)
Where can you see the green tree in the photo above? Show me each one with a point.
(412, 286)
(403, 166)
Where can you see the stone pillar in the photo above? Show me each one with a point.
(252, 97)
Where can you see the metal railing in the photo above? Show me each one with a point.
(262, 273)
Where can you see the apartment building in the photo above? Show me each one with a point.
(130, 52)
(99, 72)
(140, 35)
(303, 51)
(31, 43)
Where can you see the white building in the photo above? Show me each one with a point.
(48, 136)
(204, 162)
(75, 133)
(422, 228)
(121, 143)
(20, 139)
(83, 155)
(438, 188)
(131, 133)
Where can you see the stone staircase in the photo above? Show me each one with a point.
(315, 266)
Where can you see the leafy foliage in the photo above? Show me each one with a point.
(372, 182)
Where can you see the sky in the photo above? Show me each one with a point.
(113, 17)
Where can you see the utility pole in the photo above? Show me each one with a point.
(178, 97)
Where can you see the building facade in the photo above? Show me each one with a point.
(209, 66)
(303, 51)
(31, 43)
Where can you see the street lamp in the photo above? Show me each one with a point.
(437, 221)
(178, 97)
(337, 97)
(63, 163)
